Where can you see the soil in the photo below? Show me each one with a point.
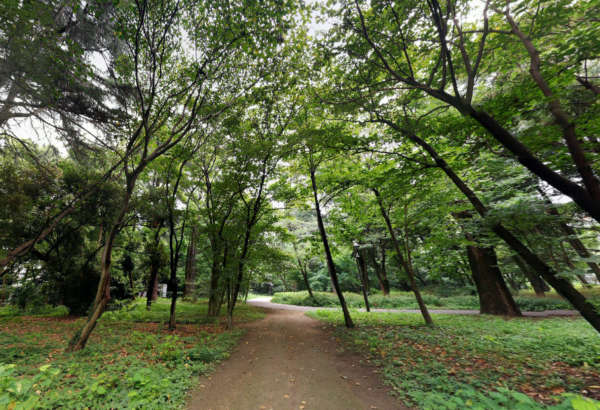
(290, 361)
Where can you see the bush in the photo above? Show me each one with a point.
(41, 310)
(406, 300)
(535, 304)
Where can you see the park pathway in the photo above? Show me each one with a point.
(265, 302)
(290, 361)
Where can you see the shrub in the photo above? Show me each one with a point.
(406, 300)
(40, 310)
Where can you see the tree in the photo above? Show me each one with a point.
(436, 72)
(313, 160)
(173, 90)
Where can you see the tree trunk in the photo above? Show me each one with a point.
(102, 298)
(494, 296)
(380, 270)
(328, 257)
(404, 262)
(173, 285)
(304, 273)
(306, 282)
(216, 292)
(362, 273)
(130, 276)
(215, 297)
(537, 283)
(190, 268)
(152, 289)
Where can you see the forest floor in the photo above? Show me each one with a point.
(291, 361)
(478, 361)
(131, 361)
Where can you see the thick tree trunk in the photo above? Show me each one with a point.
(537, 283)
(216, 292)
(328, 257)
(190, 268)
(404, 262)
(494, 296)
(152, 288)
(215, 297)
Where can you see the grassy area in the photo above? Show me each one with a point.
(406, 300)
(480, 362)
(252, 295)
(131, 360)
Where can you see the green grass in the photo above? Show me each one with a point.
(131, 360)
(406, 300)
(44, 310)
(187, 312)
(252, 295)
(478, 361)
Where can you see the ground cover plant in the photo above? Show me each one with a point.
(133, 362)
(480, 362)
(405, 300)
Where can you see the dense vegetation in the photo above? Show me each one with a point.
(131, 362)
(405, 300)
(418, 153)
(450, 366)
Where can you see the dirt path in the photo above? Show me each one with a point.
(265, 302)
(289, 361)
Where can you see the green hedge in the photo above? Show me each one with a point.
(406, 300)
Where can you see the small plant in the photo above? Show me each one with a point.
(23, 392)
(169, 351)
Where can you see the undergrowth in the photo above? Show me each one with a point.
(131, 360)
(406, 300)
(479, 362)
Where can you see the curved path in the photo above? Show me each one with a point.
(265, 302)
(290, 361)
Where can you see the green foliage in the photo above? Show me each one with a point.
(488, 361)
(24, 393)
(187, 312)
(34, 310)
(467, 397)
(406, 300)
(127, 364)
